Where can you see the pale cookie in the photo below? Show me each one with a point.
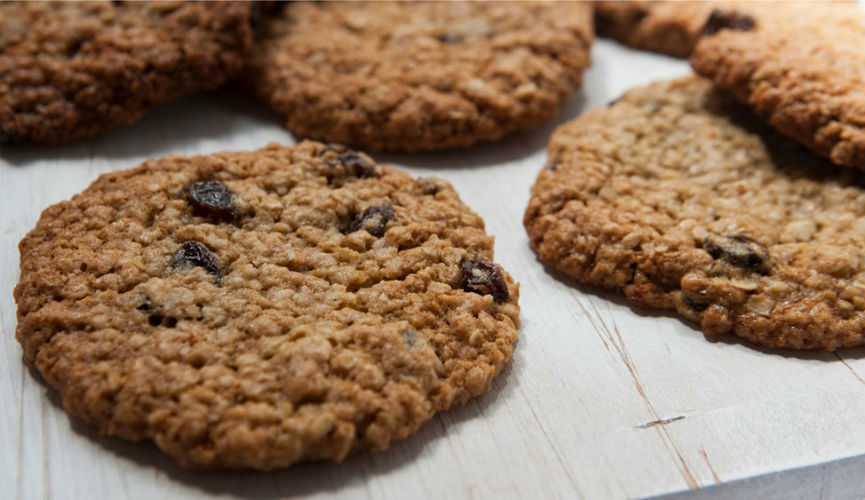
(681, 199)
(260, 308)
(419, 75)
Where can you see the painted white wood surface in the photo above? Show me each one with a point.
(572, 417)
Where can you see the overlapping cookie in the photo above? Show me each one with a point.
(260, 308)
(682, 199)
(419, 75)
(70, 70)
(800, 67)
(668, 27)
(673, 27)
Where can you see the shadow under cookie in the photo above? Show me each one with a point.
(257, 309)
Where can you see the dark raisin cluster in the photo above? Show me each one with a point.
(373, 219)
(739, 251)
(211, 199)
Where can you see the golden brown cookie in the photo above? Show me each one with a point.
(70, 70)
(668, 27)
(256, 309)
(419, 75)
(682, 199)
(802, 68)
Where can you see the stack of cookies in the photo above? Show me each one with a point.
(735, 200)
(256, 309)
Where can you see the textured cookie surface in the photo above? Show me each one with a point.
(802, 68)
(419, 75)
(70, 70)
(668, 27)
(680, 198)
(260, 308)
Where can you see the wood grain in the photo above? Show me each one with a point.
(600, 401)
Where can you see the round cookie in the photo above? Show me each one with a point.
(682, 199)
(70, 70)
(255, 309)
(419, 75)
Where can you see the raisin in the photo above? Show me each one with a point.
(354, 164)
(449, 38)
(739, 251)
(427, 186)
(373, 219)
(211, 199)
(720, 19)
(357, 164)
(160, 320)
(481, 276)
(194, 254)
(697, 306)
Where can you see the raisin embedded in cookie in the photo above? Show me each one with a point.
(673, 27)
(682, 199)
(801, 68)
(257, 309)
(419, 75)
(70, 70)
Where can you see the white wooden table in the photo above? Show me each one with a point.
(599, 402)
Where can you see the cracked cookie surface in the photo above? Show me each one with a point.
(682, 199)
(419, 75)
(70, 70)
(324, 306)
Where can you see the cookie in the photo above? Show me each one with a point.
(419, 75)
(681, 199)
(256, 309)
(668, 27)
(802, 69)
(70, 70)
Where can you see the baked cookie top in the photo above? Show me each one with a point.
(668, 27)
(680, 198)
(70, 70)
(419, 75)
(254, 309)
(802, 68)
